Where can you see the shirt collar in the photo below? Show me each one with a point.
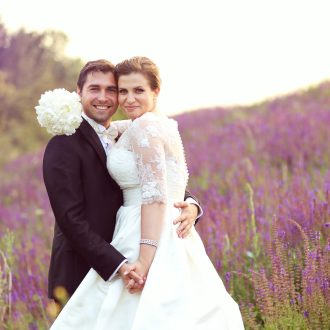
(97, 127)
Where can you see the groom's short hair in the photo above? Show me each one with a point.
(94, 66)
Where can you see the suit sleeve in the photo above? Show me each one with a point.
(61, 170)
(188, 194)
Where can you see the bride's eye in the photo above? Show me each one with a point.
(122, 91)
(139, 90)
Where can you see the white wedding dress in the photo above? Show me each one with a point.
(183, 290)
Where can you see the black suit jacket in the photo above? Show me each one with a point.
(85, 200)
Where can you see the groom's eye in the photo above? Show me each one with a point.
(112, 89)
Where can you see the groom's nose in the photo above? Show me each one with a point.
(102, 95)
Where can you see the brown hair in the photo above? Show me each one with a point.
(140, 64)
(94, 66)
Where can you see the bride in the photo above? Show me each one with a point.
(182, 288)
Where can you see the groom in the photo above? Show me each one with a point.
(84, 197)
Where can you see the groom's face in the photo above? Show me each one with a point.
(99, 97)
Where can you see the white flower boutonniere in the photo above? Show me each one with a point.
(59, 111)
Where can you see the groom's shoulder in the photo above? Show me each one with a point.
(63, 138)
(63, 142)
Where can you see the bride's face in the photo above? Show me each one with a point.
(135, 95)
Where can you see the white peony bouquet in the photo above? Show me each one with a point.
(59, 111)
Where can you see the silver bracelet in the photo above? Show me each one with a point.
(149, 242)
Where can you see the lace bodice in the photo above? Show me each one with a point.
(149, 155)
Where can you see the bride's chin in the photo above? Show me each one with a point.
(131, 115)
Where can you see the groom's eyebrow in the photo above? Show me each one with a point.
(94, 86)
(111, 88)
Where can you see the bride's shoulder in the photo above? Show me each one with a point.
(154, 125)
(155, 119)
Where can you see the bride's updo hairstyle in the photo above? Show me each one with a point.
(140, 64)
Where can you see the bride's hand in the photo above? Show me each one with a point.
(141, 268)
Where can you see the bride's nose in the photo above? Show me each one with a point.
(130, 98)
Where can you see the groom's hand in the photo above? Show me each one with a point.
(187, 218)
(130, 277)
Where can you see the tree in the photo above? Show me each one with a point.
(30, 64)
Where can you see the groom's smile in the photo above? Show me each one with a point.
(101, 107)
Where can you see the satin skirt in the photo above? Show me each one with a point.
(182, 291)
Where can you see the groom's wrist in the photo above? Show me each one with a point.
(116, 272)
(190, 200)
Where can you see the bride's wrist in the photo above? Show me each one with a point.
(145, 262)
(148, 249)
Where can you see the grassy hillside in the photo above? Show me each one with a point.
(262, 174)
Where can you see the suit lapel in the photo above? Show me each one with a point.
(90, 135)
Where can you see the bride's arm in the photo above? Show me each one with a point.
(152, 219)
(148, 148)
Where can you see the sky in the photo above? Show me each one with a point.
(209, 52)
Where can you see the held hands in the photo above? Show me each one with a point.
(134, 275)
(131, 278)
(186, 219)
(141, 269)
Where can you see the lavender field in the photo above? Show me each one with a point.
(263, 176)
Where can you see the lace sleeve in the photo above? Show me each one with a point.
(148, 147)
(121, 125)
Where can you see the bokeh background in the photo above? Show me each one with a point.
(248, 82)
